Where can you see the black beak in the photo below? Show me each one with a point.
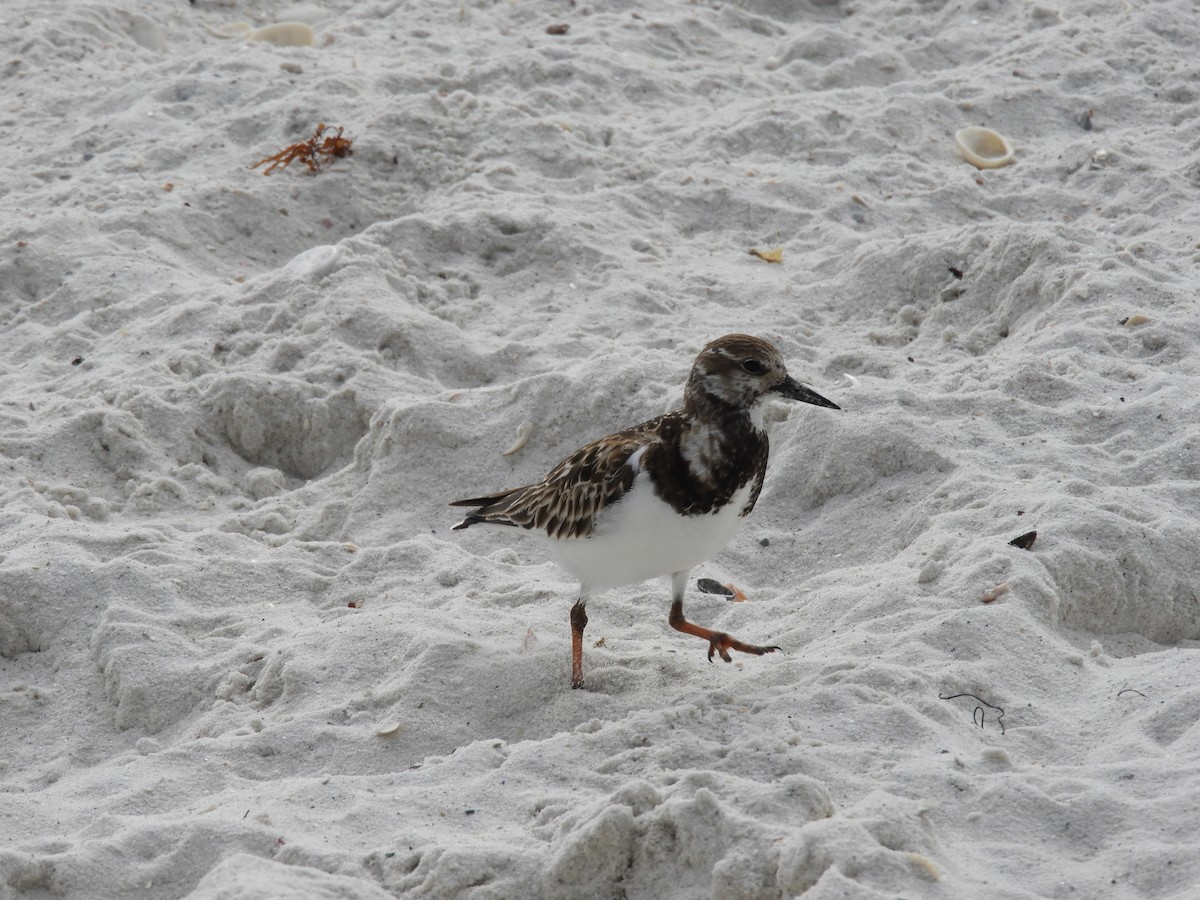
(794, 390)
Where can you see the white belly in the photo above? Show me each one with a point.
(643, 537)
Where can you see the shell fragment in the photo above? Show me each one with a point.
(983, 148)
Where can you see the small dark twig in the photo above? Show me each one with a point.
(979, 715)
(1130, 691)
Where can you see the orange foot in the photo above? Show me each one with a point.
(722, 643)
(718, 641)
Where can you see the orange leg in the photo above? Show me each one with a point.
(718, 641)
(579, 621)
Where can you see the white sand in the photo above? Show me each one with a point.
(231, 414)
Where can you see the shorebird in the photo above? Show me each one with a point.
(661, 497)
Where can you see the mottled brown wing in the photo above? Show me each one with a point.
(566, 502)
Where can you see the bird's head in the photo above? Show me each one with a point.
(739, 370)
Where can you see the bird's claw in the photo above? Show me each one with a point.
(722, 643)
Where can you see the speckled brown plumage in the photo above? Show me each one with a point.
(566, 502)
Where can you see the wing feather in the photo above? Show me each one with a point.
(566, 502)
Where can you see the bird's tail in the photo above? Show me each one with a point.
(480, 504)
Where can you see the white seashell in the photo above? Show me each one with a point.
(523, 435)
(983, 148)
(231, 31)
(315, 262)
(998, 591)
(285, 34)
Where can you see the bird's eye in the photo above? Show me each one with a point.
(753, 366)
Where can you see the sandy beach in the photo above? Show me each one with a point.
(242, 655)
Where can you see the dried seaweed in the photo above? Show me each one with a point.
(318, 151)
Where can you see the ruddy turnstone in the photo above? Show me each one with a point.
(661, 497)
